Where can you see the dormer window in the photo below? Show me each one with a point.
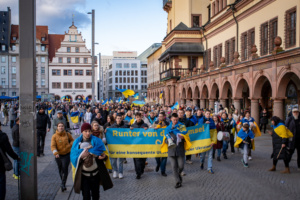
(14, 38)
(43, 38)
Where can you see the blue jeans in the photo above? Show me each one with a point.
(16, 162)
(209, 160)
(162, 162)
(114, 164)
(2, 185)
(225, 147)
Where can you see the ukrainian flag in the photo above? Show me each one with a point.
(146, 99)
(126, 92)
(105, 102)
(176, 106)
(110, 100)
(161, 94)
(138, 103)
(282, 131)
(86, 100)
(241, 136)
(75, 117)
(136, 96)
(50, 110)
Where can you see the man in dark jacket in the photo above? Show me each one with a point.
(42, 120)
(119, 124)
(293, 124)
(6, 149)
(139, 163)
(59, 119)
(16, 147)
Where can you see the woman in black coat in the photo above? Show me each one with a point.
(264, 119)
(280, 144)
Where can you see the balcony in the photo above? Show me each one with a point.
(167, 4)
(177, 73)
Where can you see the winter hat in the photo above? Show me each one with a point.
(86, 126)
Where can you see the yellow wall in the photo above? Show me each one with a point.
(153, 67)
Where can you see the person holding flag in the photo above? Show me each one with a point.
(161, 94)
(75, 119)
(50, 110)
(176, 131)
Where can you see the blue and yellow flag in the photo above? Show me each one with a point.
(176, 106)
(75, 117)
(110, 100)
(126, 92)
(282, 131)
(136, 96)
(138, 103)
(105, 102)
(241, 136)
(161, 94)
(50, 109)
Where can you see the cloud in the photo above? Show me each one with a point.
(57, 14)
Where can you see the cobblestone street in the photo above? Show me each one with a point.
(230, 181)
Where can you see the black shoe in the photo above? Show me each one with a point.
(218, 159)
(213, 156)
(62, 188)
(180, 177)
(225, 156)
(163, 174)
(201, 167)
(178, 185)
(138, 177)
(42, 154)
(157, 168)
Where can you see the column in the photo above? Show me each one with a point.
(223, 102)
(202, 103)
(182, 101)
(237, 104)
(278, 108)
(255, 110)
(211, 104)
(195, 102)
(172, 94)
(167, 97)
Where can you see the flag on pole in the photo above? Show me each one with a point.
(161, 94)
(126, 92)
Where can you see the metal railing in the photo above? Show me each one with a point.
(175, 73)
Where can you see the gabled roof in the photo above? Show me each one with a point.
(182, 27)
(54, 44)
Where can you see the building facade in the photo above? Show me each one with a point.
(70, 66)
(240, 52)
(105, 61)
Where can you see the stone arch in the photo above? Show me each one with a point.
(69, 97)
(183, 93)
(189, 93)
(57, 97)
(204, 92)
(242, 92)
(259, 85)
(196, 93)
(214, 92)
(78, 97)
(226, 94)
(286, 79)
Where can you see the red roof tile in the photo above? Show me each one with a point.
(41, 31)
(54, 44)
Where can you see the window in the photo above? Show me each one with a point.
(43, 59)
(78, 72)
(68, 49)
(136, 87)
(13, 47)
(14, 94)
(43, 39)
(89, 72)
(67, 85)
(42, 70)
(3, 70)
(3, 93)
(116, 73)
(13, 59)
(132, 80)
(3, 81)
(227, 52)
(124, 73)
(136, 72)
(60, 59)
(120, 79)
(77, 49)
(128, 86)
(215, 56)
(36, 48)
(132, 87)
(67, 72)
(43, 48)
(56, 72)
(120, 73)
(244, 46)
(264, 39)
(68, 60)
(196, 21)
(232, 48)
(13, 70)
(116, 80)
(88, 85)
(290, 28)
(128, 73)
(118, 65)
(126, 65)
(136, 80)
(85, 60)
(43, 82)
(78, 85)
(3, 60)
(124, 80)
(133, 65)
(132, 72)
(273, 31)
(170, 25)
(56, 85)
(76, 60)
(13, 82)
(14, 38)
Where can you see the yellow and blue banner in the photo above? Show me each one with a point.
(126, 92)
(175, 106)
(138, 103)
(141, 143)
(136, 96)
(50, 109)
(75, 117)
(161, 94)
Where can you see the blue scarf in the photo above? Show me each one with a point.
(243, 135)
(179, 128)
(98, 148)
(211, 122)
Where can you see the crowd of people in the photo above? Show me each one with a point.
(231, 130)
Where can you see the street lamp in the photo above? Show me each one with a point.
(93, 55)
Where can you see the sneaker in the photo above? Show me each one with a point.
(120, 175)
(115, 174)
(137, 176)
(182, 173)
(164, 174)
(245, 164)
(189, 162)
(250, 158)
(157, 168)
(201, 167)
(218, 159)
(225, 156)
(211, 171)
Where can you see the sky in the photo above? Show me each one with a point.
(120, 25)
